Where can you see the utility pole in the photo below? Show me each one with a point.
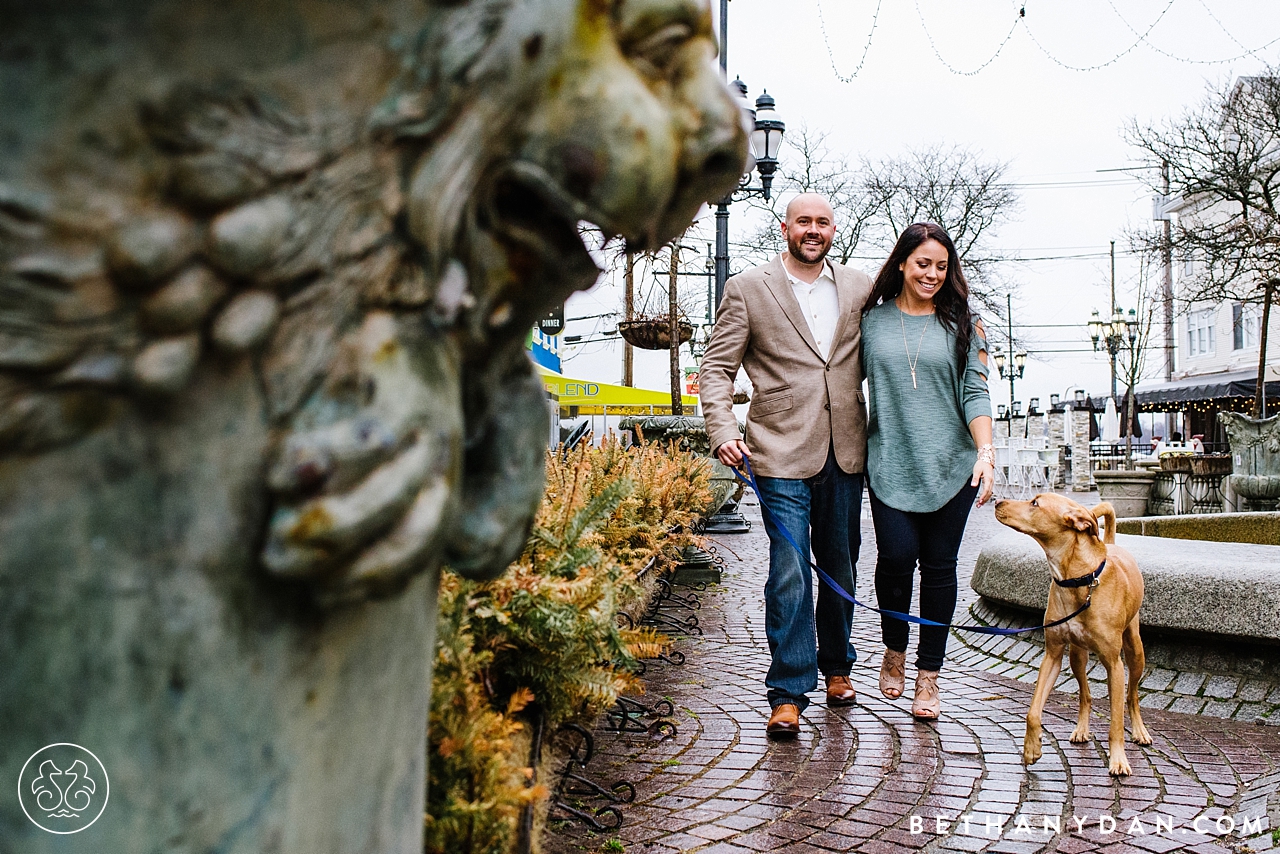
(629, 310)
(677, 402)
(1167, 253)
(1114, 309)
(1008, 303)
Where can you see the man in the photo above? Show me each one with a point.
(794, 324)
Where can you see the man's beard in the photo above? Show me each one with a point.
(796, 250)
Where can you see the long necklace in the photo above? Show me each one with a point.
(911, 363)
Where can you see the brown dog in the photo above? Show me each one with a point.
(1076, 541)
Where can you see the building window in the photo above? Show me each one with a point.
(1244, 326)
(1200, 332)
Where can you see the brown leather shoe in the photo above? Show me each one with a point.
(840, 691)
(784, 722)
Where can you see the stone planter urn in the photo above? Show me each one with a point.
(1127, 491)
(1255, 455)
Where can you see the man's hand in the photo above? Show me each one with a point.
(732, 452)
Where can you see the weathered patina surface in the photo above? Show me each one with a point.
(1255, 451)
(266, 272)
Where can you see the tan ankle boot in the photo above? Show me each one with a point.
(893, 674)
(927, 705)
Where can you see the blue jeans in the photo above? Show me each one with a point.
(931, 540)
(829, 503)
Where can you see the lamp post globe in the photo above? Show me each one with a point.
(766, 140)
(1095, 329)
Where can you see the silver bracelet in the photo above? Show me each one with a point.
(987, 453)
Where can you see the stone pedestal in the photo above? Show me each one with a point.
(1077, 436)
(1128, 491)
(266, 275)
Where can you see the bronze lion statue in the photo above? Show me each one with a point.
(266, 275)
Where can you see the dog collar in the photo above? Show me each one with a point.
(1090, 580)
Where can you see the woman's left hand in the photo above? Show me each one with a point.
(984, 477)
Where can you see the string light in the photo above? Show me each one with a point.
(1201, 407)
(1165, 53)
(1021, 16)
(1111, 61)
(822, 24)
(1239, 43)
(1142, 38)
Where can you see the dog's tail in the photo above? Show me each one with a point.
(1107, 531)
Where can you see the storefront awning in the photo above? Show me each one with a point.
(1236, 384)
(593, 398)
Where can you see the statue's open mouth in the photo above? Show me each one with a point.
(529, 206)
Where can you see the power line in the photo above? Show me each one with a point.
(822, 24)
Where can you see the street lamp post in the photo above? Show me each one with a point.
(1112, 334)
(1015, 360)
(1011, 368)
(766, 141)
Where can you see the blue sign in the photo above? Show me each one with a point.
(545, 349)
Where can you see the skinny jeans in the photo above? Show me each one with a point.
(905, 540)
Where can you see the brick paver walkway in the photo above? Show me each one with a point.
(870, 778)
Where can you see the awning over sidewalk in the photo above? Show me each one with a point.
(593, 398)
(1237, 384)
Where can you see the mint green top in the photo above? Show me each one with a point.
(919, 449)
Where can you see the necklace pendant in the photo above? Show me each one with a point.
(913, 380)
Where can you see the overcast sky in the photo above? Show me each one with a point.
(1057, 127)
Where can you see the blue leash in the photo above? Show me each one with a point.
(1091, 580)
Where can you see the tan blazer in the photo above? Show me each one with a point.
(800, 405)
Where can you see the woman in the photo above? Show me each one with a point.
(929, 450)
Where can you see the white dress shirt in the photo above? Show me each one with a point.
(820, 304)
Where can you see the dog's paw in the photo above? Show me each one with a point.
(1119, 766)
(1081, 735)
(1031, 753)
(1141, 735)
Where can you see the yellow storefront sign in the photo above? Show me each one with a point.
(596, 398)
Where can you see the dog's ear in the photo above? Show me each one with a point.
(1081, 519)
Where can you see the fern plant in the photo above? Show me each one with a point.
(544, 637)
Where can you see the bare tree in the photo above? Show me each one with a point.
(1223, 160)
(809, 166)
(954, 187)
(875, 200)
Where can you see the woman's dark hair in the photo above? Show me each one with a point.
(951, 303)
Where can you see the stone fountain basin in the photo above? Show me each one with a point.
(1227, 590)
(1259, 528)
